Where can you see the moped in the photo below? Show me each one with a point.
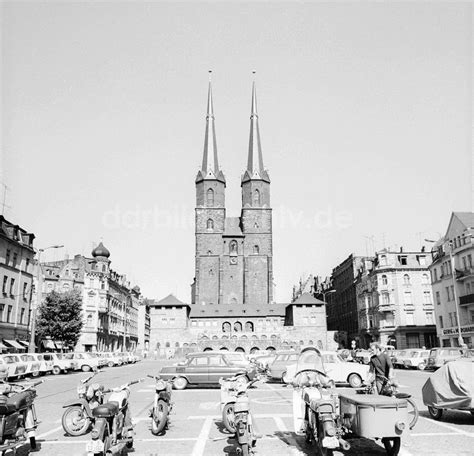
(245, 432)
(18, 420)
(229, 388)
(113, 429)
(78, 416)
(162, 405)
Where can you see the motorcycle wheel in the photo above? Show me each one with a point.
(245, 449)
(129, 444)
(435, 413)
(323, 451)
(33, 443)
(392, 445)
(75, 422)
(228, 417)
(159, 418)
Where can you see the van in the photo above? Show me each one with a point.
(442, 355)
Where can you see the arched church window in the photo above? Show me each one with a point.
(256, 198)
(226, 327)
(233, 248)
(210, 197)
(256, 249)
(233, 302)
(210, 224)
(237, 326)
(249, 326)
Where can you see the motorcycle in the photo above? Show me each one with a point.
(162, 405)
(229, 389)
(245, 431)
(18, 420)
(113, 429)
(78, 416)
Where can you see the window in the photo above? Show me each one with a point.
(9, 314)
(429, 318)
(201, 361)
(12, 286)
(22, 316)
(25, 291)
(406, 279)
(226, 327)
(450, 319)
(438, 298)
(402, 260)
(237, 327)
(210, 197)
(464, 263)
(233, 248)
(15, 259)
(216, 361)
(469, 260)
(407, 298)
(65, 287)
(210, 224)
(383, 260)
(468, 288)
(448, 294)
(452, 292)
(384, 280)
(89, 320)
(371, 321)
(435, 274)
(385, 298)
(256, 198)
(440, 318)
(7, 257)
(455, 318)
(426, 297)
(425, 280)
(27, 264)
(422, 260)
(256, 249)
(4, 288)
(410, 319)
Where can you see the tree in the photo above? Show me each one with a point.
(60, 317)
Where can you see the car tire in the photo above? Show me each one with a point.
(421, 366)
(435, 413)
(85, 368)
(355, 380)
(56, 370)
(110, 364)
(180, 383)
(284, 377)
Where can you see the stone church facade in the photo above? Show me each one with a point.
(232, 297)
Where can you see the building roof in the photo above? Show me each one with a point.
(232, 227)
(466, 218)
(227, 311)
(170, 300)
(308, 299)
(100, 251)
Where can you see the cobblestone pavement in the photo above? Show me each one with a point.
(196, 428)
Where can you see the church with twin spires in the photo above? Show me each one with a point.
(232, 296)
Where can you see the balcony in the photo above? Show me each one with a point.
(386, 307)
(102, 308)
(466, 299)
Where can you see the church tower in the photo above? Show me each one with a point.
(210, 216)
(256, 220)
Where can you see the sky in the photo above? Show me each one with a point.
(365, 112)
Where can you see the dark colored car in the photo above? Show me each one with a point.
(439, 356)
(204, 368)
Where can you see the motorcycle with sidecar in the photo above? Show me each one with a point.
(326, 417)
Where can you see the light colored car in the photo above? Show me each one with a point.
(32, 364)
(3, 369)
(416, 359)
(101, 362)
(112, 359)
(46, 366)
(362, 356)
(337, 369)
(399, 359)
(62, 362)
(86, 361)
(277, 369)
(15, 366)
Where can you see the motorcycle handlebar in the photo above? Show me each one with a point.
(154, 377)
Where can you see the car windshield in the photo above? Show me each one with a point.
(415, 354)
(66, 356)
(310, 358)
(234, 357)
(9, 359)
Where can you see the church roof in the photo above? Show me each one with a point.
(228, 311)
(170, 300)
(308, 299)
(232, 227)
(466, 218)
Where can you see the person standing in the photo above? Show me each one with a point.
(380, 367)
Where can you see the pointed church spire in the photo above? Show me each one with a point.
(210, 162)
(255, 169)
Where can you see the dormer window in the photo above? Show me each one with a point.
(256, 198)
(210, 197)
(210, 224)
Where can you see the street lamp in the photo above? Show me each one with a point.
(39, 297)
(453, 277)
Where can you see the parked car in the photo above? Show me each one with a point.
(46, 366)
(62, 362)
(203, 368)
(416, 359)
(337, 369)
(237, 358)
(263, 361)
(86, 361)
(440, 356)
(112, 359)
(101, 362)
(32, 364)
(393, 356)
(277, 369)
(3, 369)
(399, 360)
(362, 356)
(15, 366)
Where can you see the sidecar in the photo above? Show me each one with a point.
(451, 387)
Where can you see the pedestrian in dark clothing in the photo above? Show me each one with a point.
(380, 367)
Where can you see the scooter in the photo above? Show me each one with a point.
(77, 417)
(229, 389)
(18, 420)
(162, 405)
(113, 429)
(245, 431)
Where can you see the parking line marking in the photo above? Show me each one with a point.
(52, 431)
(280, 424)
(428, 434)
(199, 446)
(447, 426)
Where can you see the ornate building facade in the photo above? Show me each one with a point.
(232, 297)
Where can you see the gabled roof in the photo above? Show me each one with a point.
(308, 299)
(232, 227)
(170, 300)
(466, 218)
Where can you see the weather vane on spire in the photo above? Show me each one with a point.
(210, 73)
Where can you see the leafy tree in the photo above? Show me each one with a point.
(59, 317)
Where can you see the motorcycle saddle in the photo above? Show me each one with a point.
(21, 400)
(107, 410)
(6, 409)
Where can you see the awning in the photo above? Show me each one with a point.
(24, 343)
(48, 343)
(14, 344)
(3, 347)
